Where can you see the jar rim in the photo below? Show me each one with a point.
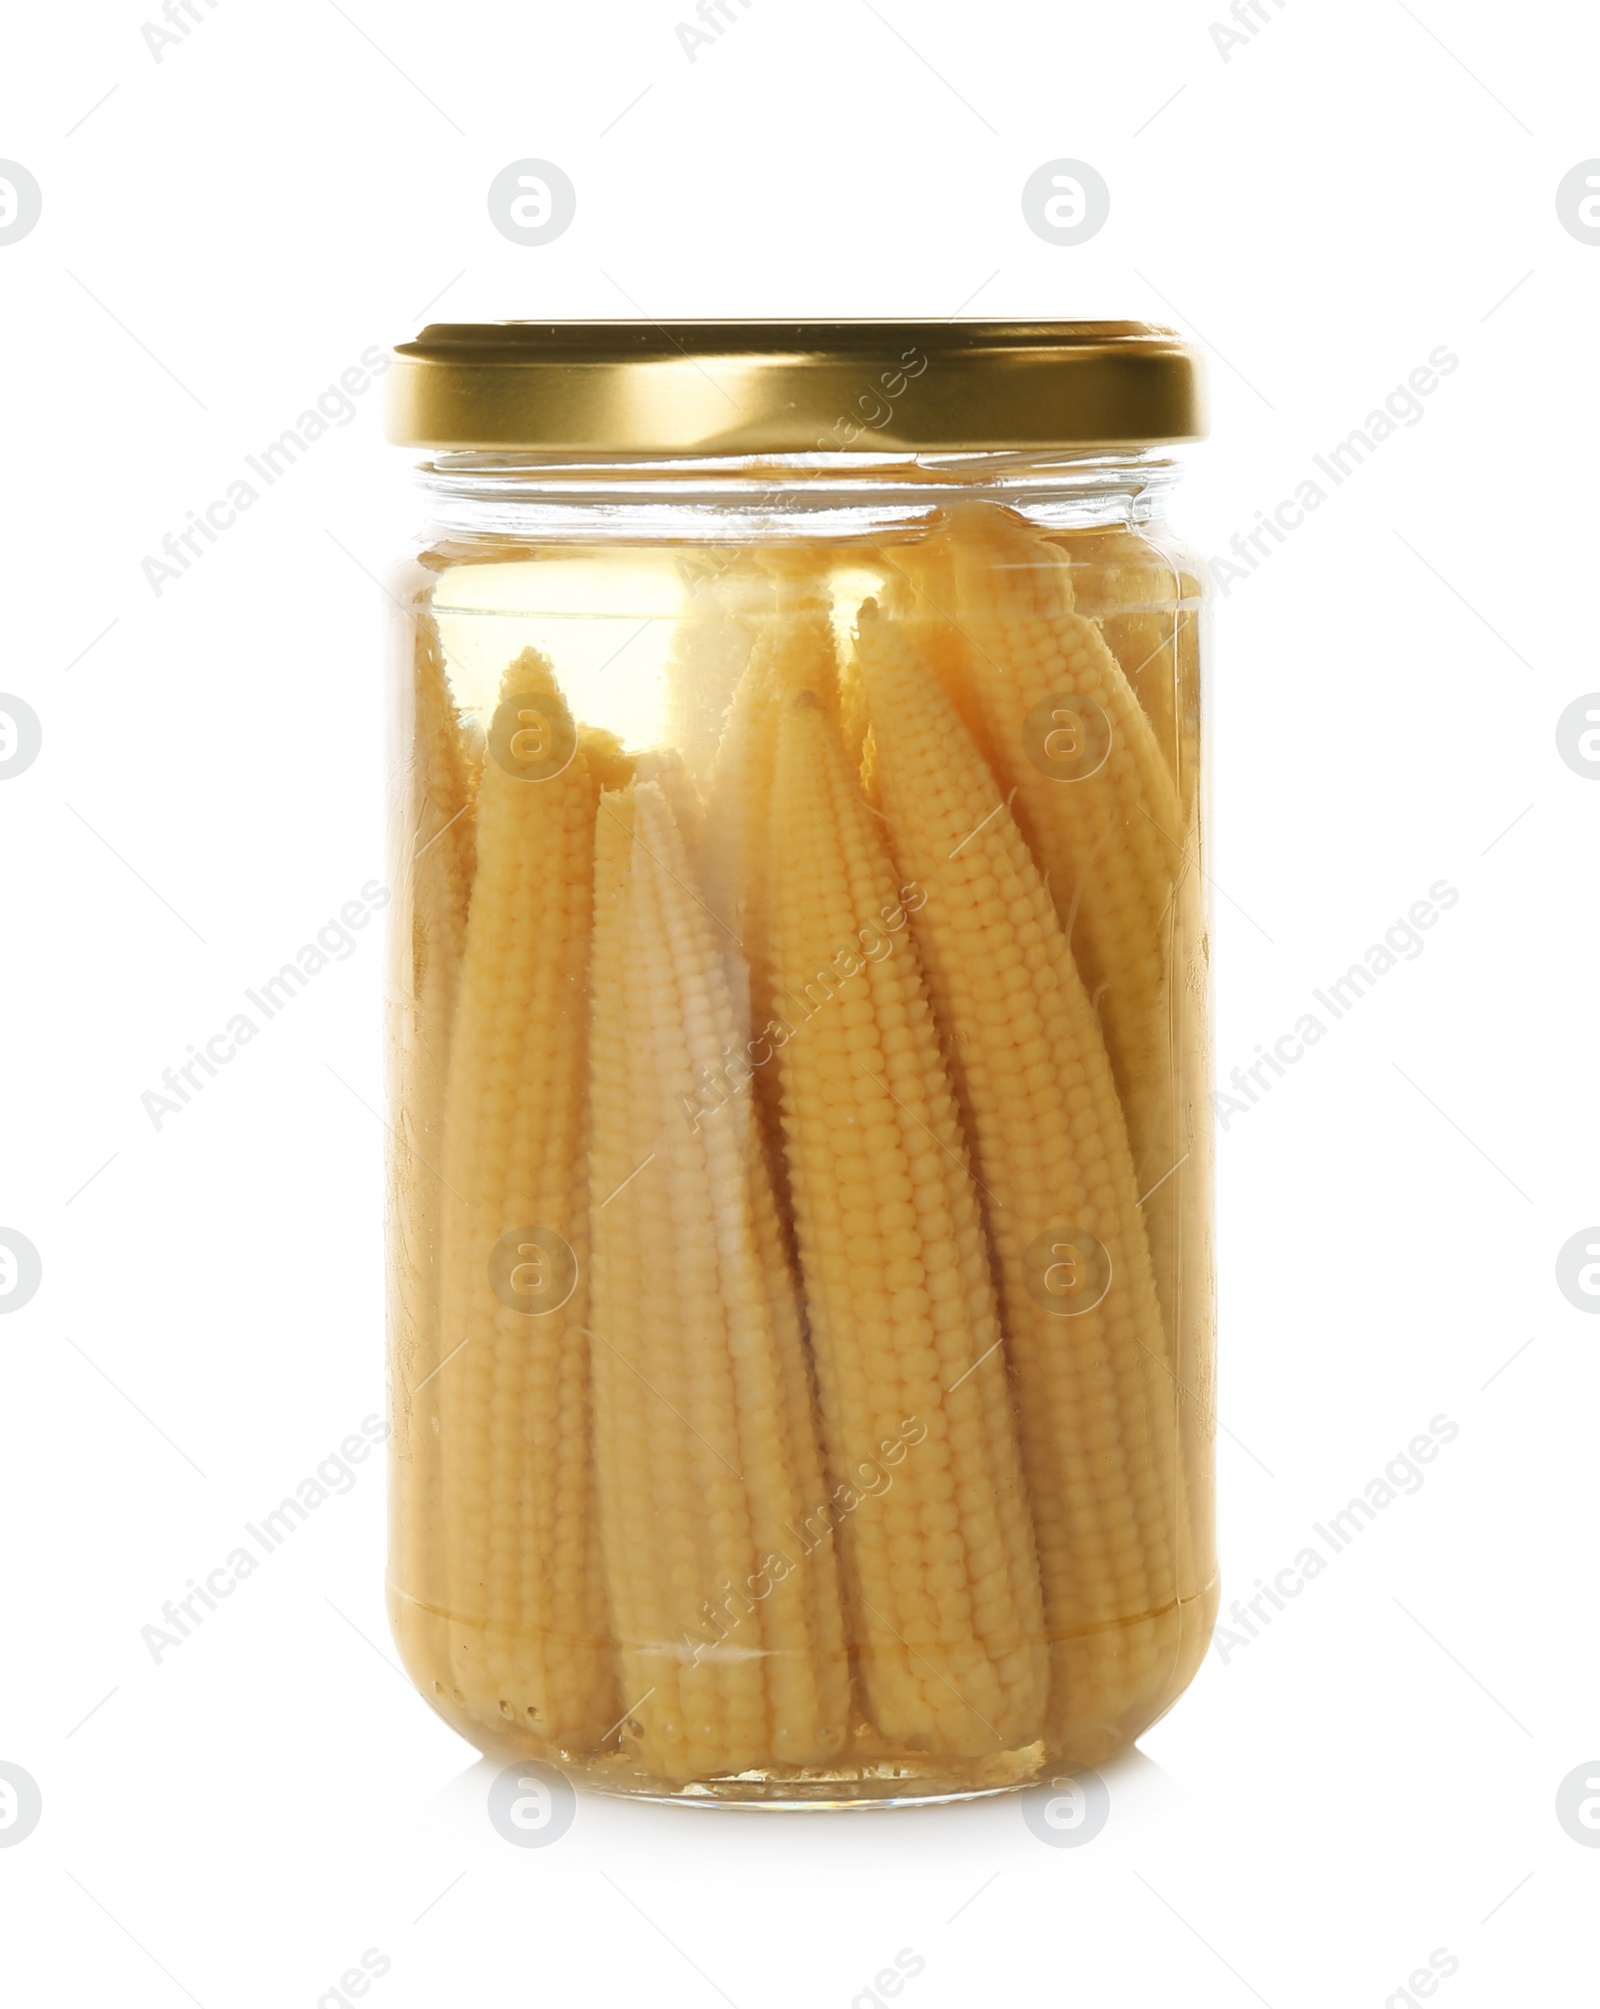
(756, 387)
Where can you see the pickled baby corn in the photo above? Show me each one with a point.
(807, 1046)
(434, 882)
(1115, 848)
(527, 1610)
(941, 1577)
(710, 648)
(1095, 1404)
(1145, 598)
(1145, 602)
(731, 1637)
(793, 649)
(1109, 842)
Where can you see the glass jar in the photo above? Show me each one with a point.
(802, 1313)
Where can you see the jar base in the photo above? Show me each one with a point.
(868, 1780)
(843, 1788)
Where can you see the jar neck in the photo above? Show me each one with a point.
(832, 495)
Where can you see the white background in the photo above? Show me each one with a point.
(224, 231)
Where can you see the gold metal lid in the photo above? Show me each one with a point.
(765, 387)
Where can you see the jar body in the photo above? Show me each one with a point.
(802, 1331)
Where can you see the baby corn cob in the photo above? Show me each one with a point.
(525, 1587)
(1116, 850)
(708, 1463)
(1096, 1406)
(1110, 845)
(941, 1576)
(922, 578)
(434, 882)
(793, 647)
(710, 649)
(446, 777)
(1145, 602)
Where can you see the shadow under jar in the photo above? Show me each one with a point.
(802, 1335)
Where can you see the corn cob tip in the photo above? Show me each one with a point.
(529, 671)
(610, 765)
